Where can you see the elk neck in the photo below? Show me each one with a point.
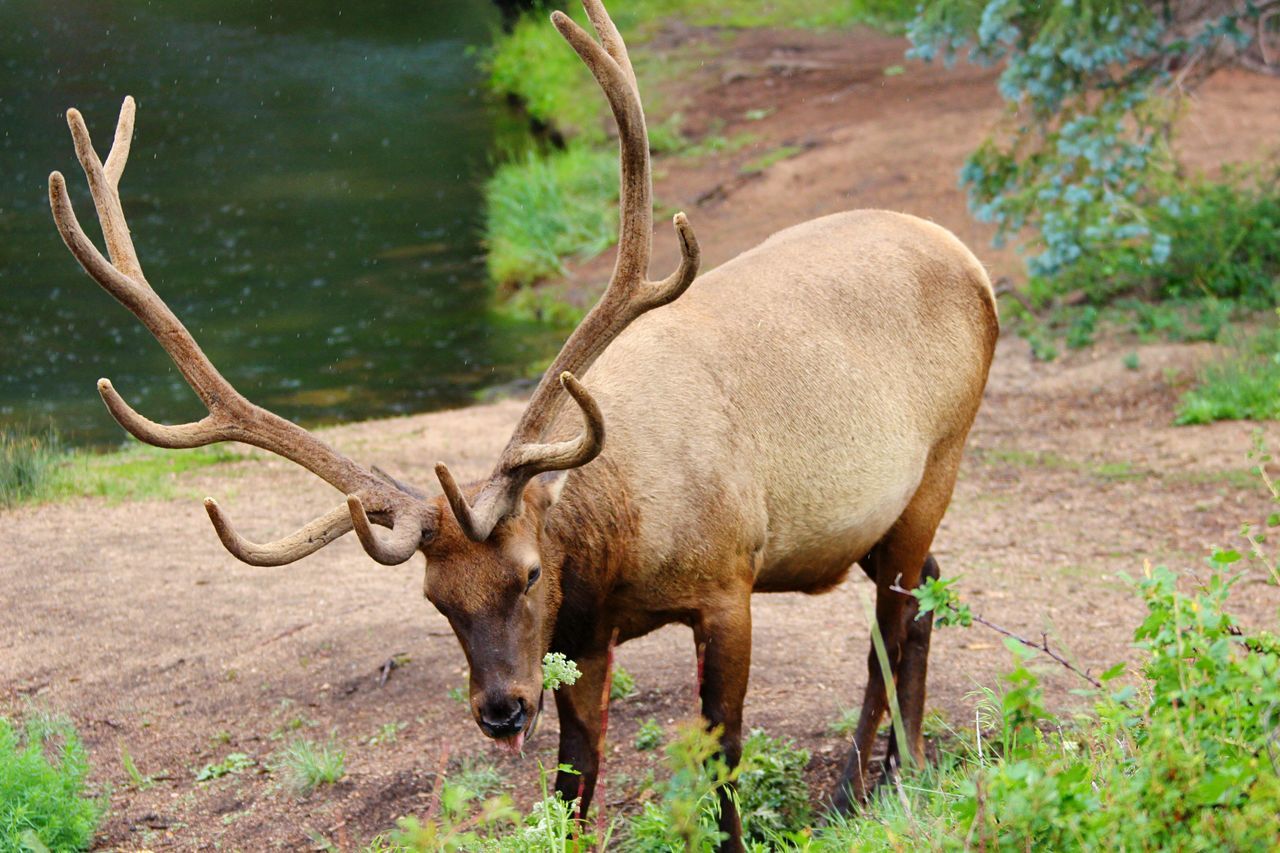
(587, 538)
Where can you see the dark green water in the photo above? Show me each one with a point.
(303, 191)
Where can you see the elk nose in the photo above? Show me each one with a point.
(503, 716)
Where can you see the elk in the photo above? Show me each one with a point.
(800, 409)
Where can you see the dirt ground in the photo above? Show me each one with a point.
(131, 618)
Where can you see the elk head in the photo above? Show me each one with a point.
(489, 569)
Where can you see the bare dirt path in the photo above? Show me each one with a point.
(131, 618)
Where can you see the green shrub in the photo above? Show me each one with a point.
(773, 798)
(772, 793)
(540, 210)
(42, 781)
(1244, 385)
(1083, 161)
(1221, 248)
(1181, 760)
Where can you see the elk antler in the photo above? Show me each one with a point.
(231, 417)
(628, 295)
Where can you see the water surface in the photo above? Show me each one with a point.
(303, 191)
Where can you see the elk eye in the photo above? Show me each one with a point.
(533, 578)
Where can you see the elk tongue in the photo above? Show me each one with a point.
(514, 745)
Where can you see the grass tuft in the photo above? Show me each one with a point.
(28, 460)
(308, 765)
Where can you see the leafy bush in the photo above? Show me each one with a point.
(1221, 248)
(43, 769)
(1181, 760)
(772, 793)
(1084, 159)
(772, 796)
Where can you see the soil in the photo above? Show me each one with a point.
(131, 619)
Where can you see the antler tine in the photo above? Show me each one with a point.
(628, 295)
(231, 416)
(611, 39)
(520, 463)
(635, 227)
(307, 540)
(406, 534)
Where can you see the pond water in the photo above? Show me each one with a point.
(303, 191)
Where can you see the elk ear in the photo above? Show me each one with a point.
(553, 481)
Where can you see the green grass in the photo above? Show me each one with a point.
(28, 461)
(308, 765)
(36, 468)
(233, 764)
(540, 210)
(805, 14)
(43, 805)
(479, 776)
(1245, 385)
(770, 158)
(534, 65)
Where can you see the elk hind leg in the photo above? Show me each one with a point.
(898, 561)
(913, 667)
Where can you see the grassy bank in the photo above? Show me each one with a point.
(556, 200)
(35, 467)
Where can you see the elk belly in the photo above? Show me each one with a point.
(815, 558)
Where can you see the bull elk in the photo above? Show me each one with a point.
(802, 408)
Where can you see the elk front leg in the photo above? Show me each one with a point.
(579, 707)
(724, 641)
